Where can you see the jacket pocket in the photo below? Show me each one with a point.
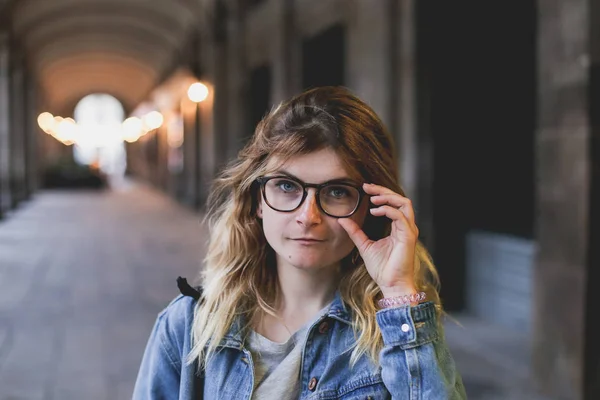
(359, 388)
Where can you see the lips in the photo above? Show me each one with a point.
(308, 240)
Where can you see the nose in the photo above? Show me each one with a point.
(309, 213)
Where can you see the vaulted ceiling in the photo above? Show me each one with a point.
(120, 47)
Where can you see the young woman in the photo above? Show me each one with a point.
(315, 285)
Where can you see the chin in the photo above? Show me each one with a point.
(306, 261)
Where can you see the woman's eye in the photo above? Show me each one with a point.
(338, 192)
(287, 186)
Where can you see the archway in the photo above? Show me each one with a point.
(100, 117)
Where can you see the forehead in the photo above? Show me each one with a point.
(318, 166)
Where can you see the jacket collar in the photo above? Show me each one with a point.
(339, 310)
(234, 336)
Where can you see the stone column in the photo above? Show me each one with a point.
(190, 156)
(17, 129)
(237, 77)
(413, 137)
(5, 193)
(32, 132)
(402, 100)
(163, 159)
(565, 347)
(210, 141)
(368, 56)
(287, 53)
(216, 63)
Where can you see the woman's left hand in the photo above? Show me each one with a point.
(390, 260)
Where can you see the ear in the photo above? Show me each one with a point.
(259, 213)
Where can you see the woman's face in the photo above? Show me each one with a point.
(283, 230)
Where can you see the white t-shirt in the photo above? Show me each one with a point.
(277, 365)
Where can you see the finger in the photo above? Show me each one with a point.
(401, 202)
(395, 200)
(395, 215)
(357, 235)
(372, 189)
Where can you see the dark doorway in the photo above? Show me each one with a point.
(476, 113)
(323, 57)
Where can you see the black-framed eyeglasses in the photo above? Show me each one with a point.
(338, 199)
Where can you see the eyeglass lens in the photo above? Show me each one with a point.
(336, 199)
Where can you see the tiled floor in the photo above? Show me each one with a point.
(83, 275)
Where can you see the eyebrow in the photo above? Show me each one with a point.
(344, 179)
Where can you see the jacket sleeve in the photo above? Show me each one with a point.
(159, 374)
(415, 361)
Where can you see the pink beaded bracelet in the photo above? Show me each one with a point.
(401, 300)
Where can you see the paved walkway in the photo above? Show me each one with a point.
(82, 277)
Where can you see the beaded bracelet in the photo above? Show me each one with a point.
(401, 300)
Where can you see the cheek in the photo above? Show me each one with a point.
(273, 224)
(342, 240)
(359, 217)
(345, 244)
(361, 214)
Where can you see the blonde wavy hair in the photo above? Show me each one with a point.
(239, 275)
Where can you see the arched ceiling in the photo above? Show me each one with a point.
(121, 47)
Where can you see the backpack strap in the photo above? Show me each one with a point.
(187, 290)
(195, 293)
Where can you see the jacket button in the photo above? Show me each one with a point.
(312, 384)
(323, 327)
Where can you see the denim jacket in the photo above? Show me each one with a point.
(415, 361)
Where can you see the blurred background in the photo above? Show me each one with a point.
(116, 114)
